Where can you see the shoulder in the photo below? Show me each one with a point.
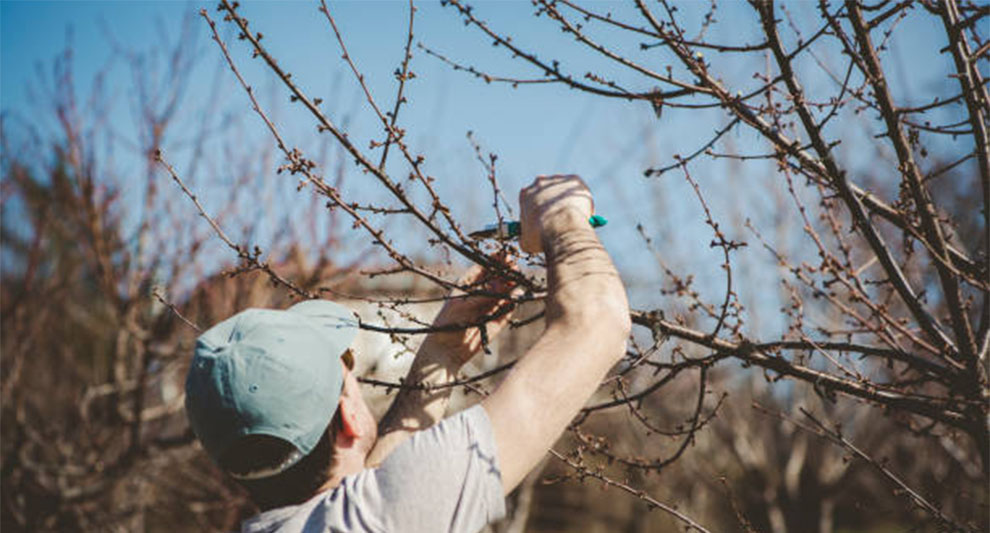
(445, 478)
(351, 507)
(467, 428)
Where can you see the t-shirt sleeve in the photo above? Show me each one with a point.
(445, 478)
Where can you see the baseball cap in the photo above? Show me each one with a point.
(269, 372)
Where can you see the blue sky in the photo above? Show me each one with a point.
(534, 129)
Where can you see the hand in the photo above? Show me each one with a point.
(552, 204)
(460, 309)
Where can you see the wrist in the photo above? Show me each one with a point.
(560, 221)
(444, 350)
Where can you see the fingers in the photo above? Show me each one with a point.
(499, 281)
(479, 292)
(546, 197)
(472, 276)
(494, 278)
(529, 238)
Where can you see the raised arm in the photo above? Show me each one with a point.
(438, 361)
(587, 323)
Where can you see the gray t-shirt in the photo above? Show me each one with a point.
(445, 478)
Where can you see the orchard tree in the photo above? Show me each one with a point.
(893, 311)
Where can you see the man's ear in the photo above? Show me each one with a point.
(349, 425)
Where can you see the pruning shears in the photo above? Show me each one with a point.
(509, 229)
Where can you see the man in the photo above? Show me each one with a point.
(272, 402)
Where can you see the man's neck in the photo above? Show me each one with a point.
(345, 463)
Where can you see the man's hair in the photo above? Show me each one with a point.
(293, 486)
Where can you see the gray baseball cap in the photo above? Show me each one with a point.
(269, 372)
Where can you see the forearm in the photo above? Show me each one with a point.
(420, 405)
(543, 393)
(584, 286)
(424, 402)
(587, 325)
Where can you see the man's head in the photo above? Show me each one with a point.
(271, 401)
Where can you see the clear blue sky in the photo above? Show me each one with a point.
(534, 130)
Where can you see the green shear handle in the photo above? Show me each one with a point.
(510, 229)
